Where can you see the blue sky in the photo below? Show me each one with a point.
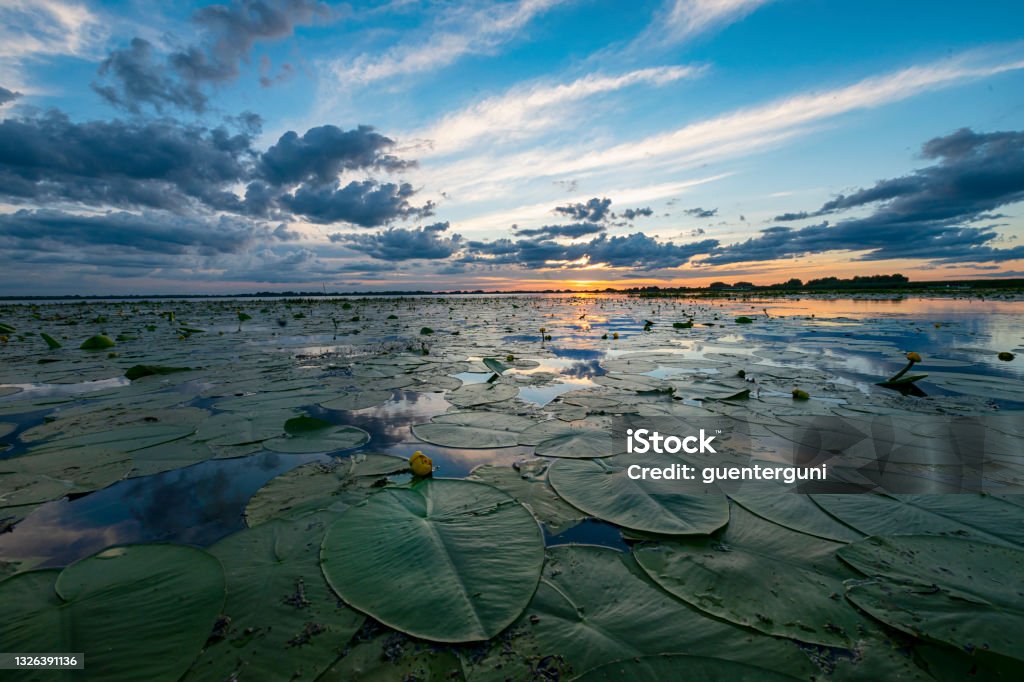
(521, 144)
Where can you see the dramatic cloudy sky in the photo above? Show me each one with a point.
(290, 144)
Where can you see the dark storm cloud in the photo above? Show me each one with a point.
(157, 164)
(364, 203)
(925, 215)
(572, 230)
(699, 212)
(638, 251)
(594, 211)
(47, 230)
(137, 76)
(164, 164)
(634, 213)
(399, 244)
(140, 77)
(8, 95)
(323, 152)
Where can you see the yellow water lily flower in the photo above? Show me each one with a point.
(420, 464)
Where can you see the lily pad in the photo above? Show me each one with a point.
(588, 611)
(138, 612)
(532, 492)
(98, 342)
(476, 430)
(444, 560)
(285, 622)
(967, 515)
(603, 489)
(678, 666)
(761, 576)
(357, 400)
(947, 590)
(308, 435)
(139, 371)
(481, 394)
(318, 486)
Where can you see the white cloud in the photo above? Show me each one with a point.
(528, 110)
(477, 31)
(683, 19)
(742, 131)
(47, 28)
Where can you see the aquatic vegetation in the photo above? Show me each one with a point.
(98, 342)
(140, 611)
(445, 594)
(356, 559)
(139, 371)
(51, 343)
(1006, 356)
(420, 464)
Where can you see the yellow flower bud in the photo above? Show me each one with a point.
(913, 357)
(420, 464)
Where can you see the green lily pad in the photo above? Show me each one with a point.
(678, 666)
(139, 371)
(473, 430)
(943, 589)
(594, 605)
(51, 343)
(532, 492)
(308, 435)
(318, 486)
(138, 612)
(444, 560)
(285, 622)
(471, 395)
(602, 488)
(967, 515)
(392, 656)
(577, 443)
(761, 576)
(794, 511)
(495, 365)
(357, 400)
(98, 342)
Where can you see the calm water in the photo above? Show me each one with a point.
(202, 503)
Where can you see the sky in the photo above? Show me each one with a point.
(271, 145)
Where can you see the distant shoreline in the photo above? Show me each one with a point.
(979, 286)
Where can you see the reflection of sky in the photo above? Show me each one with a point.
(204, 502)
(194, 505)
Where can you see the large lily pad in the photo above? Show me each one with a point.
(594, 605)
(981, 517)
(478, 430)
(445, 560)
(792, 510)
(944, 589)
(285, 622)
(138, 612)
(761, 576)
(318, 486)
(602, 488)
(309, 434)
(533, 492)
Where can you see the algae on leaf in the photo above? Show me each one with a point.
(949, 590)
(285, 623)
